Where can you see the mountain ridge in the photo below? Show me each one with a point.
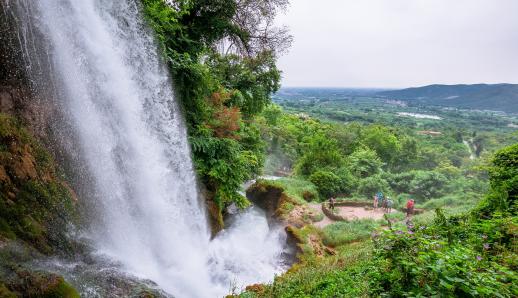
(497, 97)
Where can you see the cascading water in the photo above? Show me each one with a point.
(119, 100)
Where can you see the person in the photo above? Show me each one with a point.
(384, 205)
(380, 198)
(389, 204)
(332, 203)
(410, 207)
(375, 202)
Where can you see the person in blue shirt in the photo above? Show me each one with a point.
(380, 198)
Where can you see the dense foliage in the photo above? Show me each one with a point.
(456, 256)
(469, 254)
(222, 58)
(357, 160)
(466, 255)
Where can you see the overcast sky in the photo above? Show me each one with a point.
(400, 43)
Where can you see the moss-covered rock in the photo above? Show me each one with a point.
(215, 215)
(266, 195)
(35, 205)
(40, 284)
(18, 278)
(5, 292)
(282, 205)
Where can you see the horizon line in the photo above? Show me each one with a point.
(388, 88)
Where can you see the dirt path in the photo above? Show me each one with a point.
(351, 213)
(324, 222)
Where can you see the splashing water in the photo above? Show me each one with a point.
(119, 99)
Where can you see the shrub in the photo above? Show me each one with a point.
(503, 175)
(371, 185)
(327, 183)
(308, 196)
(428, 184)
(321, 153)
(422, 185)
(452, 257)
(364, 162)
(348, 182)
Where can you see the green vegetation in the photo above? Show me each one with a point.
(357, 146)
(356, 159)
(341, 275)
(469, 254)
(35, 206)
(456, 256)
(222, 57)
(341, 233)
(344, 145)
(37, 284)
(297, 189)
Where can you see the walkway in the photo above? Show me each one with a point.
(350, 213)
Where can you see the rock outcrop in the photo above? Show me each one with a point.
(36, 204)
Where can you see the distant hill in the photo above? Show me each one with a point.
(497, 97)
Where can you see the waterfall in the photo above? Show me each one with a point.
(118, 97)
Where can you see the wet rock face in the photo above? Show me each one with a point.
(26, 91)
(11, 71)
(35, 112)
(265, 197)
(6, 102)
(18, 279)
(35, 206)
(40, 284)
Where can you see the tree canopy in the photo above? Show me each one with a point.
(222, 56)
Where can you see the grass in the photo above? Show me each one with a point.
(341, 233)
(454, 200)
(297, 188)
(427, 217)
(394, 216)
(313, 218)
(341, 275)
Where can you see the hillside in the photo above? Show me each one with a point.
(498, 97)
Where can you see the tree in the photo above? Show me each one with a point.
(252, 79)
(382, 140)
(327, 183)
(348, 182)
(364, 162)
(221, 91)
(254, 29)
(503, 194)
(423, 185)
(272, 113)
(427, 184)
(371, 185)
(321, 153)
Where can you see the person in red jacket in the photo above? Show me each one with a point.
(409, 207)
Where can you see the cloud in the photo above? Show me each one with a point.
(398, 43)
